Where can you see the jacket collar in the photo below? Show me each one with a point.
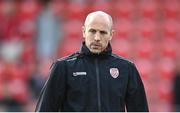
(85, 51)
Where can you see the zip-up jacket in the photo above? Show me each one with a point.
(91, 82)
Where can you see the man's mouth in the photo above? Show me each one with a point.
(96, 46)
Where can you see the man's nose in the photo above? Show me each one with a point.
(97, 36)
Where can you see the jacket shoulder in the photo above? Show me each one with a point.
(61, 61)
(122, 59)
(68, 58)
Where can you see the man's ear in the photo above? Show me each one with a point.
(83, 31)
(112, 33)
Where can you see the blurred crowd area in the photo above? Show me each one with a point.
(34, 33)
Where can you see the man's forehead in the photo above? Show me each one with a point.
(98, 23)
(98, 28)
(98, 14)
(98, 20)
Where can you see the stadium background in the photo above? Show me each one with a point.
(34, 33)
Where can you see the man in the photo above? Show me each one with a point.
(94, 79)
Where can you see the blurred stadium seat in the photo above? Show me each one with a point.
(148, 9)
(146, 28)
(76, 11)
(124, 9)
(171, 9)
(72, 29)
(123, 29)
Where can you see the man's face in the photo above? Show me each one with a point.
(97, 34)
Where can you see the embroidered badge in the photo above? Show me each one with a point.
(114, 72)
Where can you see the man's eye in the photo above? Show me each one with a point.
(103, 32)
(93, 31)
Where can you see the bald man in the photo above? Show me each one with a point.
(94, 79)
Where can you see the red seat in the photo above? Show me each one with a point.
(28, 53)
(165, 68)
(2, 95)
(145, 49)
(18, 90)
(124, 10)
(146, 29)
(1, 80)
(46, 65)
(102, 6)
(29, 9)
(170, 29)
(165, 95)
(169, 48)
(123, 29)
(171, 9)
(121, 47)
(75, 11)
(69, 46)
(14, 72)
(164, 106)
(145, 67)
(1, 69)
(148, 9)
(27, 29)
(72, 29)
(59, 7)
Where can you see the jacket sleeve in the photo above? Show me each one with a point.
(53, 92)
(135, 97)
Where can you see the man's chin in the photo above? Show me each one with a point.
(96, 51)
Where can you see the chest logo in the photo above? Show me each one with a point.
(114, 72)
(79, 73)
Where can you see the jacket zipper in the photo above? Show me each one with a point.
(98, 85)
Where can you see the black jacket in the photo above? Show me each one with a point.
(93, 82)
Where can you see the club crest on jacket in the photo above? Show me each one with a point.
(114, 72)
